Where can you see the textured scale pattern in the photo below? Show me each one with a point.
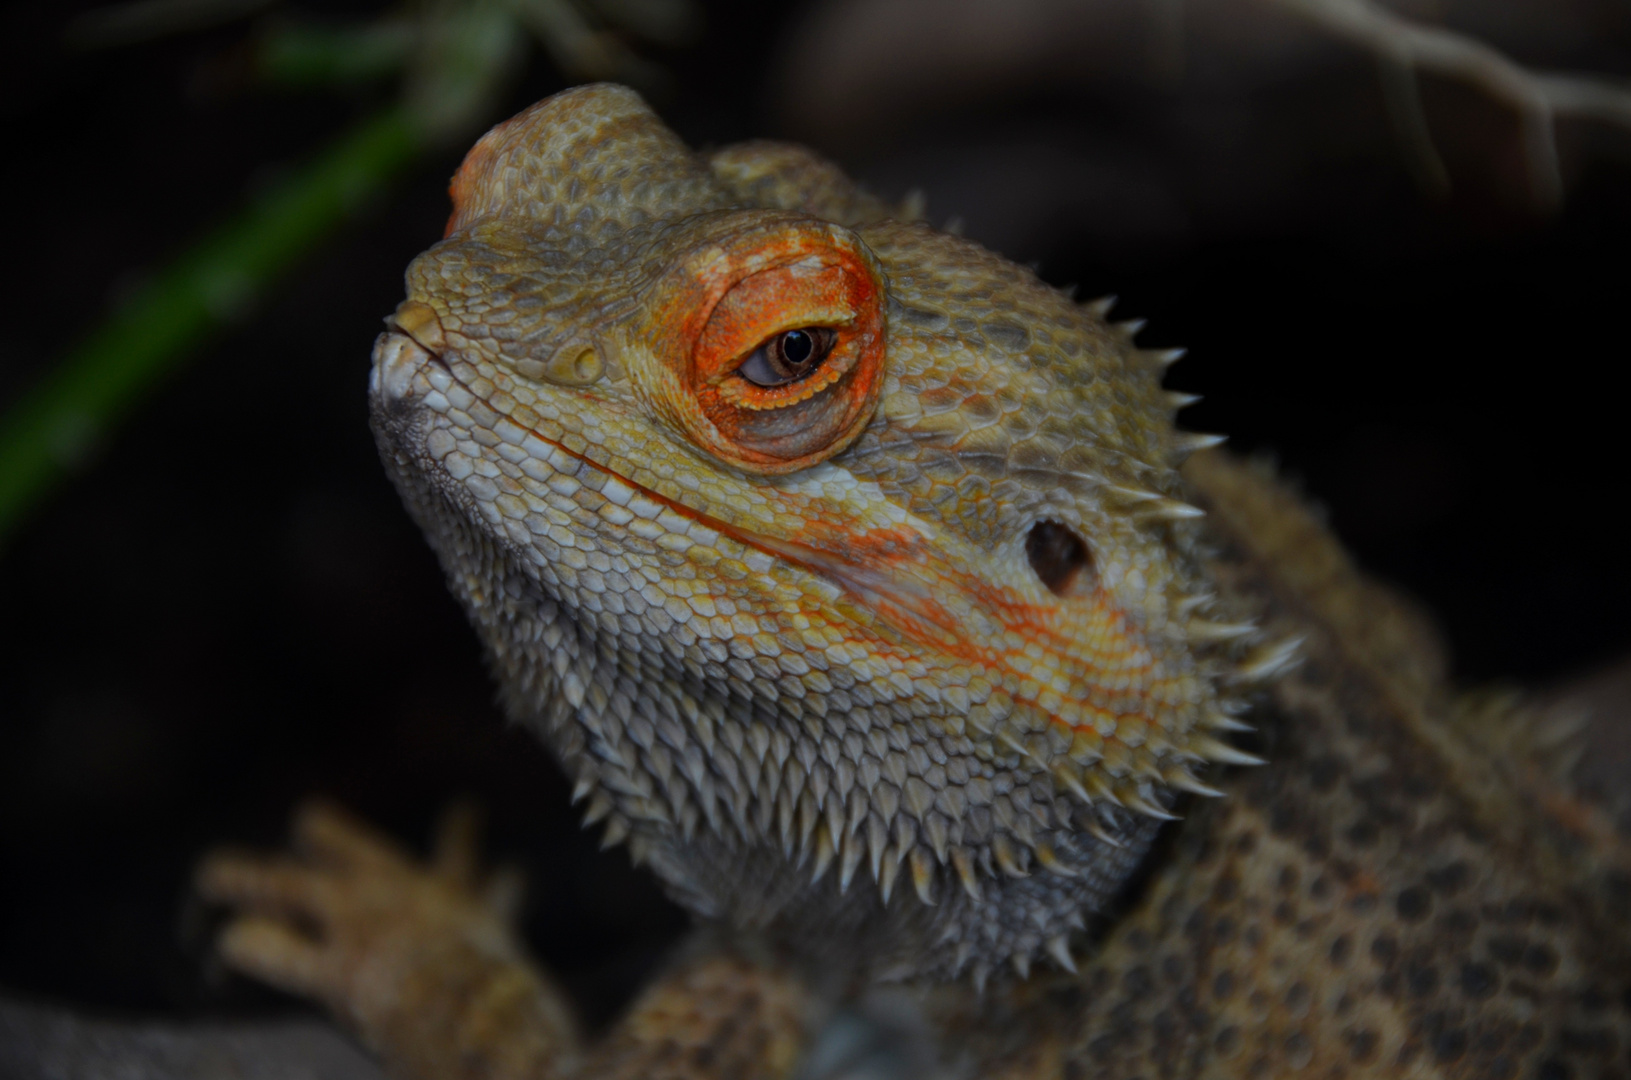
(771, 685)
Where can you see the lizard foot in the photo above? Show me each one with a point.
(420, 958)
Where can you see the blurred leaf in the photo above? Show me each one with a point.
(60, 421)
(300, 54)
(457, 57)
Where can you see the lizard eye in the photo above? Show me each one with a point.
(789, 356)
(777, 359)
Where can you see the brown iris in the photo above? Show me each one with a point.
(789, 356)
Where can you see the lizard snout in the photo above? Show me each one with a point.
(413, 339)
(398, 358)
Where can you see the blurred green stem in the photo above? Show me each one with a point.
(57, 423)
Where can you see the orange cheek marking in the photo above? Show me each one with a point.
(1091, 641)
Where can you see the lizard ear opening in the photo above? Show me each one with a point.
(1060, 558)
(785, 337)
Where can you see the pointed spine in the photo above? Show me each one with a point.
(1270, 660)
(922, 875)
(965, 874)
(1203, 630)
(1216, 750)
(1183, 780)
(1059, 949)
(1190, 442)
(1165, 509)
(823, 855)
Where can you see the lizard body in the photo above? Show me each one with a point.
(859, 580)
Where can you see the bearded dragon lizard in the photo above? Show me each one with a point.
(867, 590)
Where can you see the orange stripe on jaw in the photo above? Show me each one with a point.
(857, 563)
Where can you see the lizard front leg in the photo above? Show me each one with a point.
(423, 962)
(712, 1016)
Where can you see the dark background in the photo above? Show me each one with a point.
(228, 610)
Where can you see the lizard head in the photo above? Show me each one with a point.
(822, 546)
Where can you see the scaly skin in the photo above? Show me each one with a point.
(892, 667)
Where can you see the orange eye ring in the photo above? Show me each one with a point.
(736, 296)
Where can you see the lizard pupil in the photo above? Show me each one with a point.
(797, 346)
(1057, 555)
(789, 356)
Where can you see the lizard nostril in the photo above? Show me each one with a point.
(1059, 557)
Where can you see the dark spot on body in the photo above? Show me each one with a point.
(1324, 772)
(1362, 833)
(1227, 1040)
(1341, 949)
(1540, 960)
(1479, 981)
(1507, 948)
(1594, 999)
(1519, 911)
(1414, 904)
(1450, 879)
(1298, 1050)
(1362, 1044)
(1421, 978)
(1384, 950)
(1449, 1045)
